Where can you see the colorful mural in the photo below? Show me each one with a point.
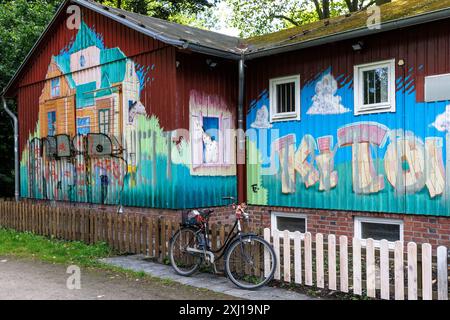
(94, 141)
(332, 159)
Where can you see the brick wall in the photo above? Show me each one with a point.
(416, 228)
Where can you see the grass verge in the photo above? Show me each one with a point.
(27, 245)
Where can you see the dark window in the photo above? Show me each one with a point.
(380, 231)
(291, 224)
(285, 94)
(376, 88)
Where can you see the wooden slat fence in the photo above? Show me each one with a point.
(378, 270)
(374, 269)
(125, 233)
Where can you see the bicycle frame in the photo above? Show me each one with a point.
(230, 238)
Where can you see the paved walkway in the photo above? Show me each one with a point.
(22, 279)
(203, 280)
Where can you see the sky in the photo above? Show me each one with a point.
(221, 12)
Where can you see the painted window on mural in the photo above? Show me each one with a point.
(378, 229)
(288, 221)
(285, 98)
(375, 87)
(103, 121)
(55, 88)
(51, 123)
(83, 125)
(82, 61)
(85, 94)
(211, 140)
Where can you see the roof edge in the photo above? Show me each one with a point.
(346, 35)
(355, 33)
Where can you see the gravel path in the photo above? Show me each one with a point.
(30, 280)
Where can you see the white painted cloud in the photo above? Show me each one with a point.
(326, 101)
(262, 119)
(442, 122)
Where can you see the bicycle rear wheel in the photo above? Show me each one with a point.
(183, 262)
(250, 262)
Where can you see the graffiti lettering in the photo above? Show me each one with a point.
(361, 136)
(409, 164)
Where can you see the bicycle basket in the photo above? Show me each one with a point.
(189, 217)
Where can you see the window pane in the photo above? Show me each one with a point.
(292, 85)
(285, 97)
(376, 83)
(291, 224)
(51, 123)
(278, 97)
(380, 231)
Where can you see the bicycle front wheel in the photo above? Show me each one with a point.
(182, 261)
(250, 262)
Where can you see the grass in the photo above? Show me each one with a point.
(25, 245)
(28, 245)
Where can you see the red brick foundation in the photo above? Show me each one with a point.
(416, 228)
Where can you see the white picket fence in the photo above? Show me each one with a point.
(362, 266)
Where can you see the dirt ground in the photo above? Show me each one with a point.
(35, 280)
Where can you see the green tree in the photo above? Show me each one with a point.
(21, 23)
(256, 17)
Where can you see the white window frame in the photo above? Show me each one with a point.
(273, 221)
(284, 116)
(389, 106)
(358, 229)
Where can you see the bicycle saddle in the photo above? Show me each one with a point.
(205, 212)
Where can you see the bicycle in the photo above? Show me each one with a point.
(249, 260)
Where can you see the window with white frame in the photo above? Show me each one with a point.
(285, 98)
(378, 229)
(374, 85)
(292, 222)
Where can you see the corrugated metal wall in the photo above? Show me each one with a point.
(142, 49)
(104, 70)
(425, 50)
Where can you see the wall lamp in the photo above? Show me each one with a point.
(211, 63)
(358, 46)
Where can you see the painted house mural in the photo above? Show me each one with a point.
(334, 159)
(95, 142)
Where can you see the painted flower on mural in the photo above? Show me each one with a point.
(442, 122)
(326, 101)
(262, 119)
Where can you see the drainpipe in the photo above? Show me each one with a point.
(242, 188)
(16, 148)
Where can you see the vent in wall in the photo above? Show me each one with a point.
(437, 88)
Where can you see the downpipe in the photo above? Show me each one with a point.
(16, 148)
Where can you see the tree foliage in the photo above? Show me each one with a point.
(21, 23)
(256, 17)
